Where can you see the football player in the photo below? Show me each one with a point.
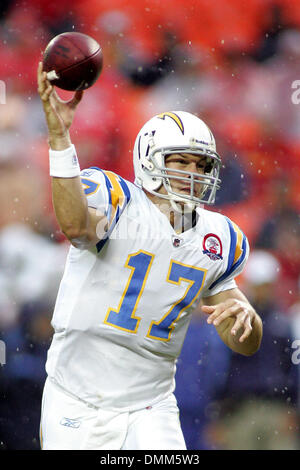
(142, 256)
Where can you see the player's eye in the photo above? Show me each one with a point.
(208, 167)
(177, 160)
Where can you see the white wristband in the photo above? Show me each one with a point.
(64, 163)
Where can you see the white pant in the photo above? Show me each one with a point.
(70, 424)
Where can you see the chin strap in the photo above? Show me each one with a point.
(189, 206)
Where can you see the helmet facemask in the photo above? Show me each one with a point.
(160, 174)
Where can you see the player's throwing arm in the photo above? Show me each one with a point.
(76, 220)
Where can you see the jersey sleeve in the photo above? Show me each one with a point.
(93, 183)
(107, 192)
(236, 261)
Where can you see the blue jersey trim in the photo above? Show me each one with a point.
(230, 266)
(119, 211)
(233, 240)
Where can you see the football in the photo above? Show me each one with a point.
(73, 61)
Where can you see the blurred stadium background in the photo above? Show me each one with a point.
(233, 63)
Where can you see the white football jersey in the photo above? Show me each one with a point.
(123, 307)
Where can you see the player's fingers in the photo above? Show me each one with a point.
(218, 309)
(248, 329)
(76, 99)
(58, 98)
(234, 310)
(45, 97)
(239, 323)
(43, 83)
(208, 308)
(39, 71)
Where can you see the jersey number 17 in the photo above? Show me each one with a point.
(140, 263)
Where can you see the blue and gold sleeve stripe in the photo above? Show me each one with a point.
(118, 198)
(237, 251)
(89, 186)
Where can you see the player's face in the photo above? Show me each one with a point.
(185, 162)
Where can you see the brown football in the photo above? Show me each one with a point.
(73, 61)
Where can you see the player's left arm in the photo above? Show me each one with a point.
(236, 321)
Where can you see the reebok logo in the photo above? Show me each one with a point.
(70, 423)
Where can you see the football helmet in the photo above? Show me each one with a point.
(176, 132)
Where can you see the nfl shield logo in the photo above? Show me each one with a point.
(176, 242)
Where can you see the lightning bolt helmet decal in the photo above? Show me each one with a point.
(175, 118)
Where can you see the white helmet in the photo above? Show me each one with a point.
(176, 132)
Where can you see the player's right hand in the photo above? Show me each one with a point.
(59, 114)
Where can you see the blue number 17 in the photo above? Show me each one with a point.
(140, 264)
